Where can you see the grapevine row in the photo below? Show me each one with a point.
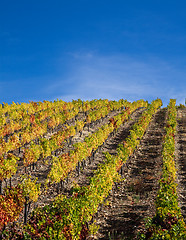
(46, 146)
(20, 116)
(168, 222)
(29, 194)
(67, 162)
(9, 167)
(67, 218)
(13, 119)
(35, 128)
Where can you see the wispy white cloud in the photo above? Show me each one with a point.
(94, 76)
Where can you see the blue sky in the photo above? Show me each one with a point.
(91, 49)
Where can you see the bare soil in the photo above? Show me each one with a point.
(181, 159)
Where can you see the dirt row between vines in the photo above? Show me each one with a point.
(181, 159)
(132, 200)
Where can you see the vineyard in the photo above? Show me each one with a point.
(95, 169)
